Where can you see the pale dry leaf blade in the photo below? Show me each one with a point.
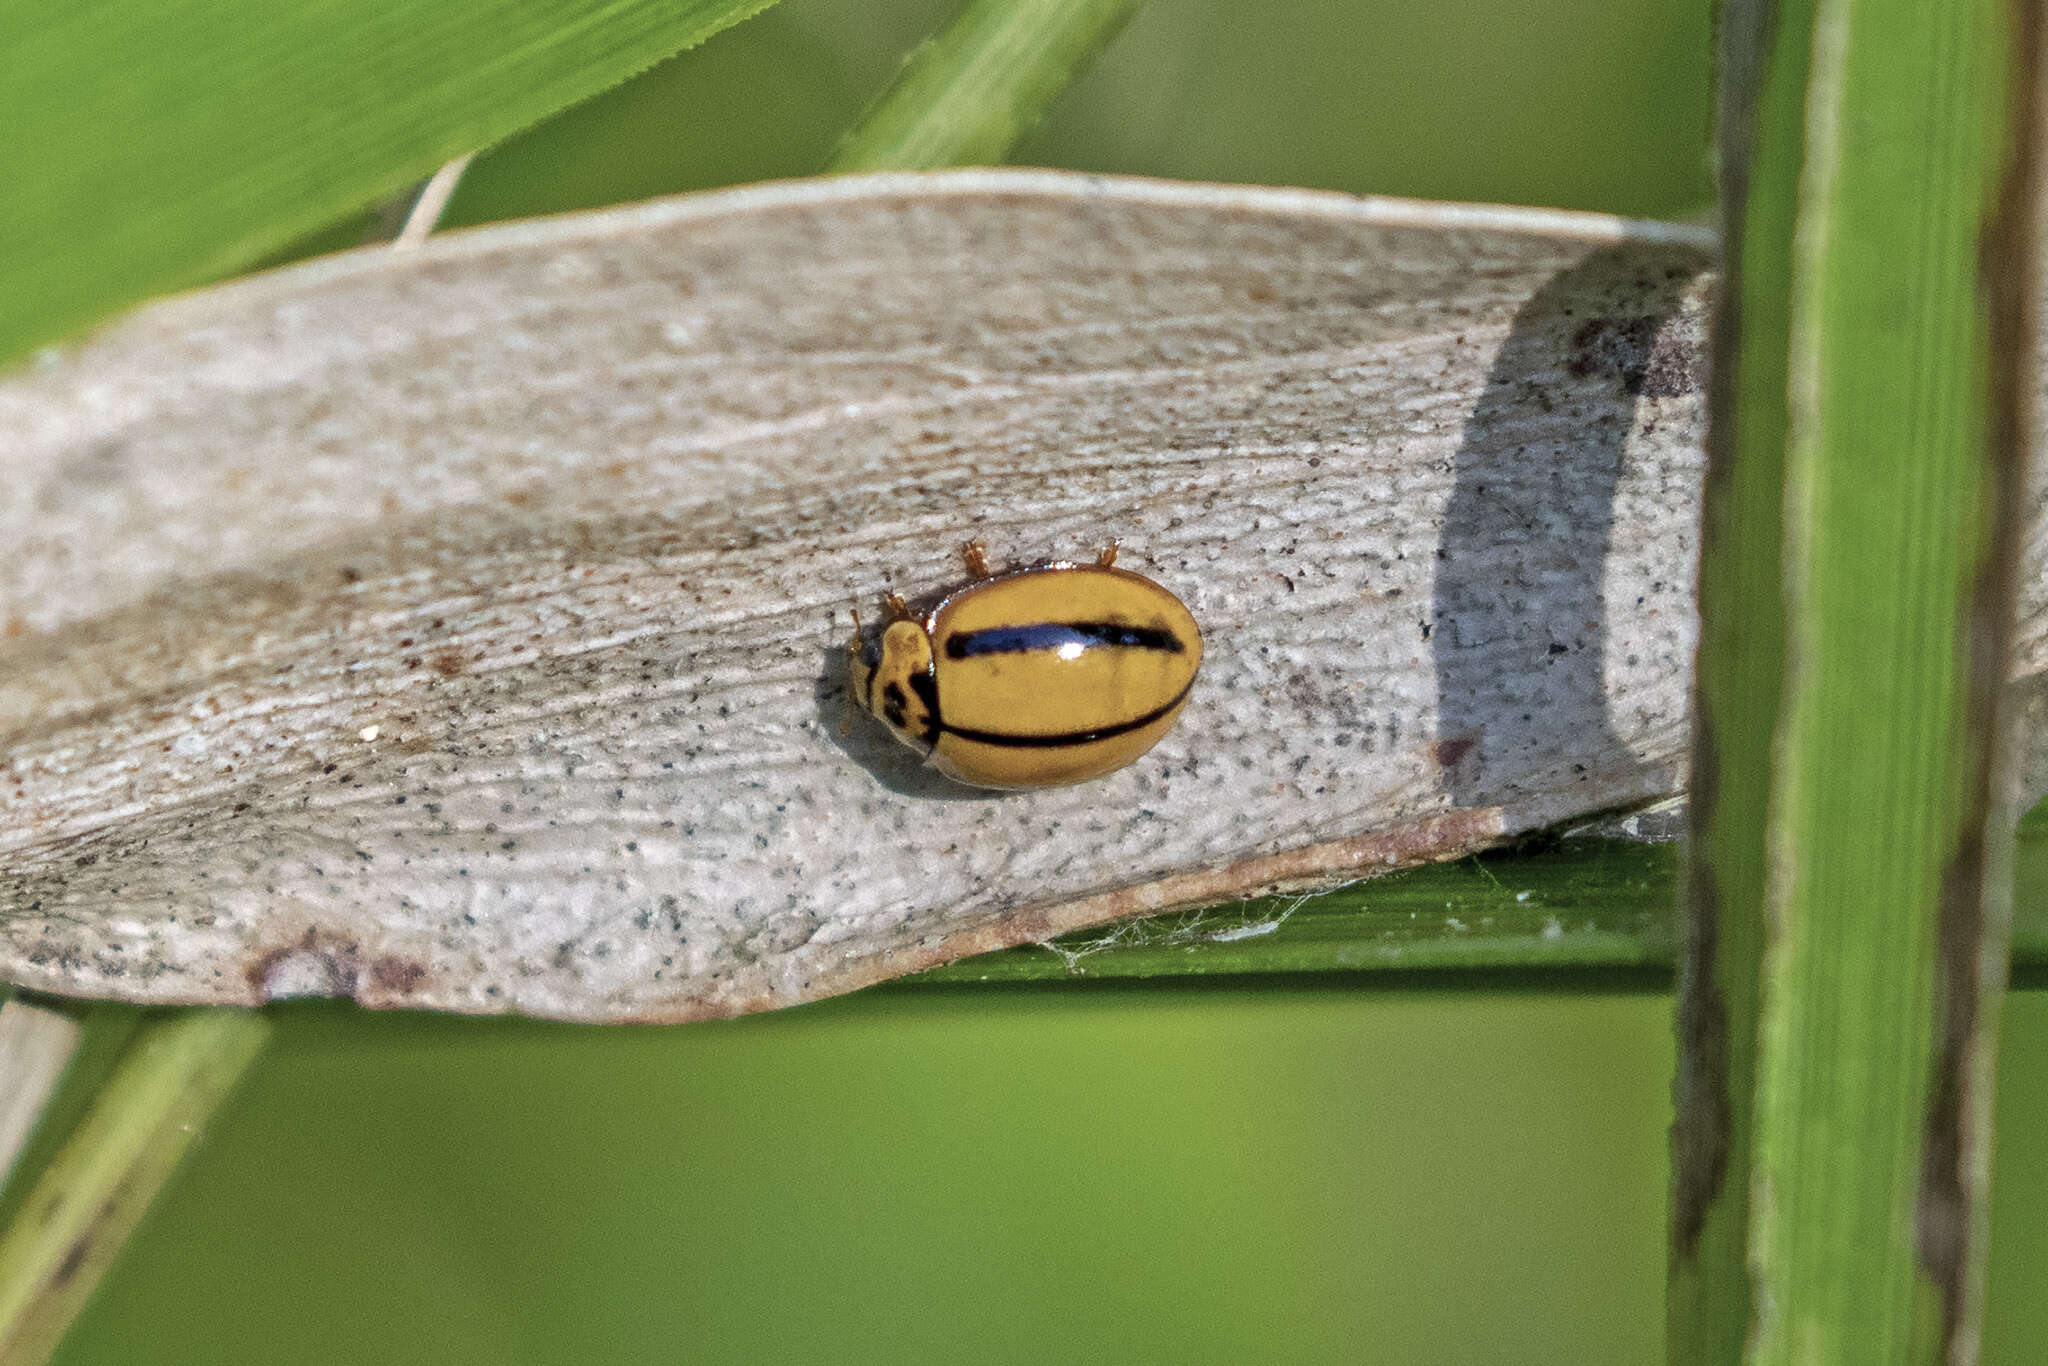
(464, 628)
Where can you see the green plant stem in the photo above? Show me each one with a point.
(968, 94)
(85, 1204)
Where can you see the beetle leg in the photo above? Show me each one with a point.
(976, 555)
(899, 610)
(1108, 555)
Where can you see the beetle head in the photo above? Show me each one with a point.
(898, 686)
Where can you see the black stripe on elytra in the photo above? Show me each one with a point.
(1078, 737)
(1051, 635)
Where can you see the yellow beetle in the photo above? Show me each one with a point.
(1032, 678)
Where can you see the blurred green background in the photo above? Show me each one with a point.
(1221, 1172)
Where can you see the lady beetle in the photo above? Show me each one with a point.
(1032, 678)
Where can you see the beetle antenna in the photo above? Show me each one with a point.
(1108, 555)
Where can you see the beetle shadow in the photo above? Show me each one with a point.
(1519, 622)
(862, 738)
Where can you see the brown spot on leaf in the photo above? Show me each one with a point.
(450, 663)
(313, 965)
(1955, 1130)
(74, 1260)
(396, 974)
(1651, 357)
(1702, 1127)
(1449, 752)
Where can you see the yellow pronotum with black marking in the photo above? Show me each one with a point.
(1033, 678)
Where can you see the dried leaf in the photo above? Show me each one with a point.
(465, 628)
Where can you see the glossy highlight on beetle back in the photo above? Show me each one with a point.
(1036, 677)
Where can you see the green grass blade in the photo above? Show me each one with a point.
(1736, 685)
(151, 146)
(967, 95)
(80, 1211)
(1586, 904)
(1891, 167)
(36, 1044)
(104, 1031)
(1534, 916)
